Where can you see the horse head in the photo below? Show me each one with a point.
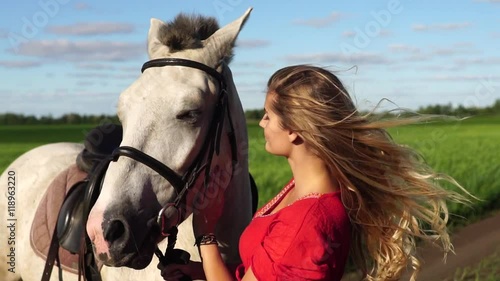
(170, 115)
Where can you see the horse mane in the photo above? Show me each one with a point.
(188, 32)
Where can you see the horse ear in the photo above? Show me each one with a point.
(218, 46)
(155, 47)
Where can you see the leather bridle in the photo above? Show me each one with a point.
(211, 147)
(181, 183)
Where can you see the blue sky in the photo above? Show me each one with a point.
(61, 56)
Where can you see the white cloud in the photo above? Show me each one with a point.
(478, 61)
(81, 6)
(3, 33)
(95, 75)
(441, 68)
(403, 48)
(488, 1)
(385, 33)
(81, 50)
(19, 64)
(477, 78)
(245, 73)
(100, 75)
(256, 64)
(85, 83)
(348, 34)
(352, 34)
(454, 49)
(441, 26)
(320, 22)
(91, 28)
(418, 57)
(419, 54)
(133, 69)
(464, 44)
(254, 43)
(95, 66)
(448, 51)
(362, 58)
(5, 92)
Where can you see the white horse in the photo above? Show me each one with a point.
(166, 114)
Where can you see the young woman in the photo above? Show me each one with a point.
(354, 192)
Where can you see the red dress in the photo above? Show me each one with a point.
(306, 240)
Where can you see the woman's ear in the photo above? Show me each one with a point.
(294, 137)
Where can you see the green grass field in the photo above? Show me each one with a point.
(15, 140)
(468, 150)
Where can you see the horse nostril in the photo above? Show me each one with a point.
(114, 231)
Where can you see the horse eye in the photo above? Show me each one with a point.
(190, 116)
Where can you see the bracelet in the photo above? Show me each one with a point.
(205, 239)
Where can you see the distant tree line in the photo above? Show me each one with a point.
(254, 114)
(71, 118)
(250, 114)
(438, 109)
(460, 111)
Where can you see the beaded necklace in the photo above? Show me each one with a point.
(272, 204)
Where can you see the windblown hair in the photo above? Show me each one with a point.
(392, 197)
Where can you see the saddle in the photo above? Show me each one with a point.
(60, 211)
(46, 216)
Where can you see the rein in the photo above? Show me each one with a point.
(181, 183)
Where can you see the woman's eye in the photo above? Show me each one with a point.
(190, 116)
(265, 117)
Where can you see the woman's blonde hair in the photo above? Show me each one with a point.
(391, 195)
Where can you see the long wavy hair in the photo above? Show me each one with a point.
(391, 195)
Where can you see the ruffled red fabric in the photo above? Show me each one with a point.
(308, 240)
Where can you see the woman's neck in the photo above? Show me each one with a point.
(311, 175)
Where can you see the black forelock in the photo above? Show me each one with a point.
(187, 32)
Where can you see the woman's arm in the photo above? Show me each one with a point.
(204, 222)
(214, 267)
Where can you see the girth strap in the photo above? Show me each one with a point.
(52, 257)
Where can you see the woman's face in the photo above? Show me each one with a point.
(277, 138)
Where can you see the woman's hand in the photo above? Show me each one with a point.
(174, 272)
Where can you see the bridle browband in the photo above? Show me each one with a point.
(187, 63)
